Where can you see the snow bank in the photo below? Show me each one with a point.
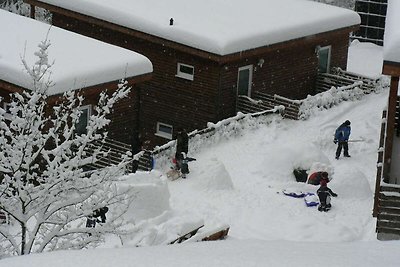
(152, 195)
(214, 176)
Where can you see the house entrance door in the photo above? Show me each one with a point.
(244, 80)
(324, 58)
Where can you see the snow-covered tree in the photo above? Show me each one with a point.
(44, 188)
(21, 8)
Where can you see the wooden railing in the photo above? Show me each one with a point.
(111, 153)
(264, 101)
(340, 78)
(379, 166)
(388, 219)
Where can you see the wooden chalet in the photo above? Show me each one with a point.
(387, 191)
(80, 63)
(204, 60)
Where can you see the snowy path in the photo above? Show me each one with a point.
(241, 185)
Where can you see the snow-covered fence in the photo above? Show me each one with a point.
(341, 78)
(338, 94)
(264, 101)
(215, 132)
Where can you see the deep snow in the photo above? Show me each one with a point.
(219, 26)
(238, 181)
(392, 33)
(79, 61)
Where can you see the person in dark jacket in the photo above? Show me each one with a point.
(324, 194)
(94, 217)
(342, 135)
(182, 144)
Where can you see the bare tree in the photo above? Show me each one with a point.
(43, 186)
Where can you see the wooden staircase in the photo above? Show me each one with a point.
(111, 152)
(388, 219)
(387, 196)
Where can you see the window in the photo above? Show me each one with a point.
(80, 127)
(164, 130)
(245, 76)
(324, 59)
(185, 71)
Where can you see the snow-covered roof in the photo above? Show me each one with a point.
(218, 26)
(391, 43)
(79, 61)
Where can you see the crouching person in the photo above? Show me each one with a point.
(93, 218)
(324, 195)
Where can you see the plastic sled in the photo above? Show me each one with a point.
(293, 193)
(311, 200)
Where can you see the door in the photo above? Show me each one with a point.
(245, 76)
(324, 59)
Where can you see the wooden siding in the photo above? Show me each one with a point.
(166, 98)
(124, 116)
(391, 68)
(289, 69)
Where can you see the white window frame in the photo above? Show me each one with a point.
(329, 48)
(163, 133)
(184, 75)
(250, 68)
(89, 109)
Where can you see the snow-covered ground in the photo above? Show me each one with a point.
(238, 180)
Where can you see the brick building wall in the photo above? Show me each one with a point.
(289, 69)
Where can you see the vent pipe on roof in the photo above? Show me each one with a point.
(171, 21)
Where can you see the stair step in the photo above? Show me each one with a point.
(389, 188)
(388, 224)
(389, 210)
(388, 230)
(389, 203)
(389, 217)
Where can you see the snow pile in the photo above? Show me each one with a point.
(163, 229)
(215, 176)
(151, 195)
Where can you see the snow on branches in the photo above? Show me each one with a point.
(45, 188)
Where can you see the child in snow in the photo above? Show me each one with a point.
(316, 177)
(324, 195)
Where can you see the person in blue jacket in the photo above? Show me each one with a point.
(342, 135)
